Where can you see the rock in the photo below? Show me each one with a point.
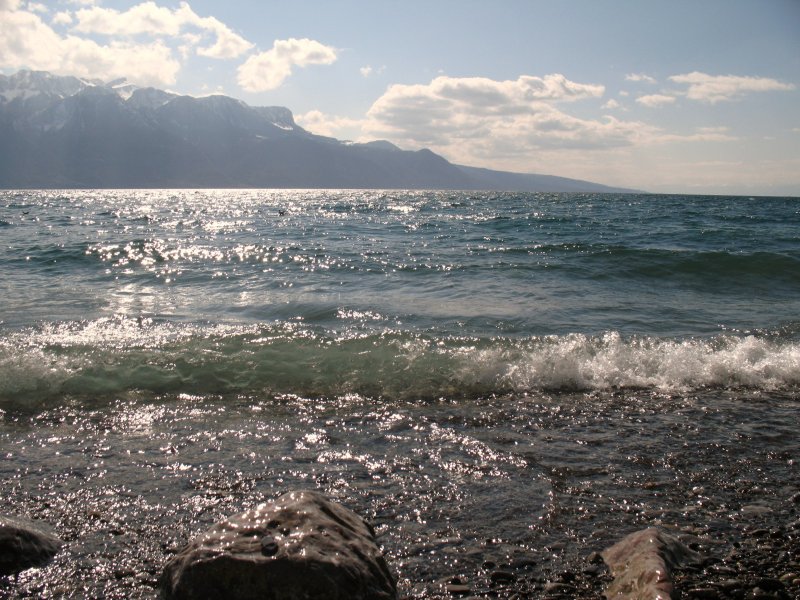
(595, 558)
(769, 584)
(24, 544)
(457, 589)
(300, 546)
(502, 577)
(642, 565)
(703, 593)
(555, 587)
(755, 510)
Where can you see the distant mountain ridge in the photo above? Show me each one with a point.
(67, 132)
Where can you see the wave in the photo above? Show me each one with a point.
(660, 263)
(109, 357)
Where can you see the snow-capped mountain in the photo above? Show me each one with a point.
(70, 132)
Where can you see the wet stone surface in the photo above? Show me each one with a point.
(502, 497)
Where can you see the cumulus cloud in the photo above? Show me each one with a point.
(611, 104)
(27, 42)
(268, 70)
(639, 77)
(151, 19)
(718, 88)
(655, 100)
(139, 43)
(474, 119)
(62, 18)
(322, 124)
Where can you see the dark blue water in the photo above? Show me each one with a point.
(393, 293)
(492, 379)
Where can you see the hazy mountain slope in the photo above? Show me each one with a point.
(70, 132)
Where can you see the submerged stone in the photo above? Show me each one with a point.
(24, 544)
(642, 565)
(300, 546)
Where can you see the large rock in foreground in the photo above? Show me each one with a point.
(24, 544)
(301, 546)
(642, 565)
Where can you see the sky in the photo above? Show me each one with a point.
(678, 96)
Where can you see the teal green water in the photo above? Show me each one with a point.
(393, 293)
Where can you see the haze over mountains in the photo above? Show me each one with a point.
(66, 132)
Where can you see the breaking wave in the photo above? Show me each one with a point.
(105, 358)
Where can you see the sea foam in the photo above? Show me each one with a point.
(109, 357)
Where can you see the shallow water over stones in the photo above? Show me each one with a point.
(495, 496)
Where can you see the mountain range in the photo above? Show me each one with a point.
(67, 132)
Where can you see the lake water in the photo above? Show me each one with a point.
(486, 377)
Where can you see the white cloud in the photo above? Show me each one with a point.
(146, 17)
(369, 71)
(143, 43)
(27, 42)
(228, 44)
(702, 134)
(472, 120)
(655, 100)
(640, 77)
(718, 88)
(268, 70)
(317, 122)
(37, 7)
(62, 18)
(611, 104)
(153, 20)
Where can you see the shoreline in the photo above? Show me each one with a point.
(497, 496)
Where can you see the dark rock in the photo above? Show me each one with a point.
(300, 546)
(269, 545)
(555, 587)
(502, 577)
(769, 584)
(592, 571)
(566, 577)
(730, 584)
(457, 589)
(525, 562)
(24, 544)
(703, 593)
(595, 558)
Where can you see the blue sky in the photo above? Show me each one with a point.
(698, 96)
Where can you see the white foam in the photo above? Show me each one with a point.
(611, 361)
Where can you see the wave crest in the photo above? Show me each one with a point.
(109, 357)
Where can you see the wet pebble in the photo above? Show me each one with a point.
(499, 577)
(269, 545)
(703, 593)
(555, 587)
(458, 589)
(770, 584)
